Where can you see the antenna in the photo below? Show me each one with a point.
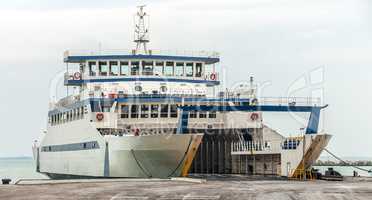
(141, 36)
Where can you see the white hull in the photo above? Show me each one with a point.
(160, 156)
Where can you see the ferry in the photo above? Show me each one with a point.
(146, 113)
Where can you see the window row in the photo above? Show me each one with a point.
(158, 68)
(71, 115)
(158, 110)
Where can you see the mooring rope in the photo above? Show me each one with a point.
(338, 158)
(139, 165)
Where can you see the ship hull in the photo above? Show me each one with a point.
(158, 156)
(146, 156)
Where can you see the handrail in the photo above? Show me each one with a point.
(206, 76)
(211, 54)
(289, 101)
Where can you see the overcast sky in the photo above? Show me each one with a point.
(320, 45)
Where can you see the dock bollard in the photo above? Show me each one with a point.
(6, 181)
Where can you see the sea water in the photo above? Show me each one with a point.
(19, 168)
(24, 168)
(347, 170)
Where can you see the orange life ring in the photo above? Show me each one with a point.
(99, 116)
(213, 76)
(254, 116)
(77, 76)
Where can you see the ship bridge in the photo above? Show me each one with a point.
(142, 70)
(156, 66)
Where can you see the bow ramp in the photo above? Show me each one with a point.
(300, 159)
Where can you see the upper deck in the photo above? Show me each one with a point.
(119, 66)
(206, 57)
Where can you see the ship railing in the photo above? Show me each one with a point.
(291, 101)
(212, 76)
(255, 147)
(64, 101)
(209, 54)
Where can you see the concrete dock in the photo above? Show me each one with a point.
(211, 188)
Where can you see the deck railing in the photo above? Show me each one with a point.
(72, 76)
(294, 101)
(255, 147)
(210, 54)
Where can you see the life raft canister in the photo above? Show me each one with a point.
(213, 76)
(99, 116)
(77, 76)
(254, 116)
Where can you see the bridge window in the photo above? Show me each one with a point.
(82, 111)
(144, 111)
(103, 68)
(189, 69)
(147, 68)
(134, 68)
(134, 111)
(70, 114)
(212, 114)
(164, 111)
(202, 114)
(114, 68)
(173, 111)
(168, 71)
(158, 69)
(92, 68)
(124, 68)
(124, 111)
(78, 113)
(198, 70)
(154, 111)
(179, 69)
(193, 114)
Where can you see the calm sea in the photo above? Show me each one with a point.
(16, 168)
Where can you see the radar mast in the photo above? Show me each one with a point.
(141, 36)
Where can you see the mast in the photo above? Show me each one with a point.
(141, 36)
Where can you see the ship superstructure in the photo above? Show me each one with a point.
(143, 113)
